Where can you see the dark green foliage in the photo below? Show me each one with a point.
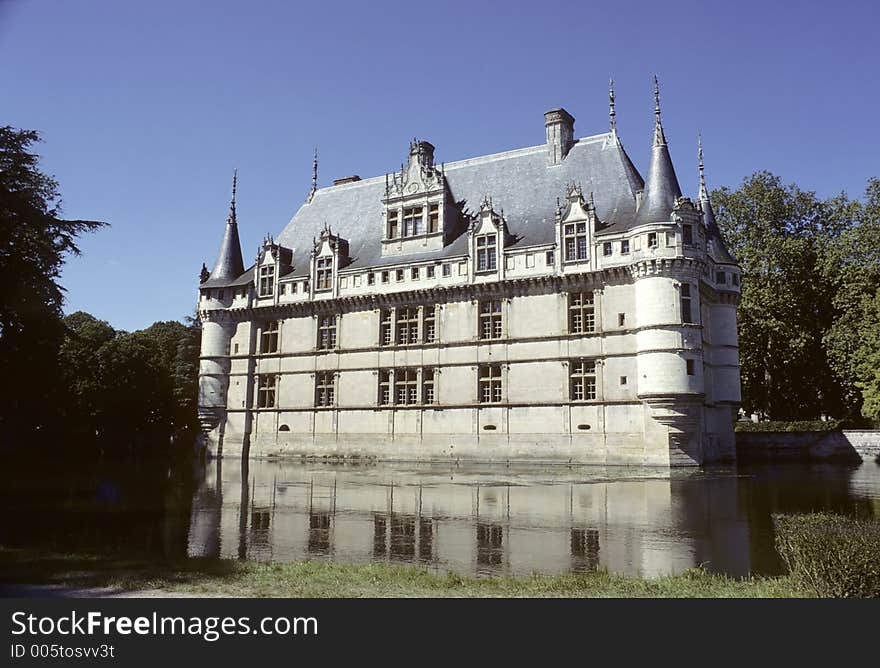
(34, 242)
(797, 425)
(831, 555)
(129, 388)
(811, 270)
(74, 383)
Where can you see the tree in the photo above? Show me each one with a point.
(778, 233)
(34, 242)
(867, 361)
(853, 268)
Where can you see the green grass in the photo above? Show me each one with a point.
(312, 579)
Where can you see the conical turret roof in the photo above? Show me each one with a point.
(717, 248)
(229, 263)
(661, 184)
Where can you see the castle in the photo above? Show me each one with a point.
(542, 304)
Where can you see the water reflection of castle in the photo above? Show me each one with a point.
(472, 521)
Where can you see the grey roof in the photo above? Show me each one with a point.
(661, 186)
(520, 182)
(717, 247)
(229, 265)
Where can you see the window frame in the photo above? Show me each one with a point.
(269, 337)
(266, 281)
(325, 389)
(267, 390)
(327, 339)
(581, 312)
(583, 380)
(490, 319)
(490, 384)
(486, 246)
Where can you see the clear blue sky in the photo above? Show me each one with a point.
(146, 107)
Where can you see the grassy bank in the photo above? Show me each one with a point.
(317, 580)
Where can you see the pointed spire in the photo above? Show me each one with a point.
(704, 193)
(659, 137)
(314, 176)
(661, 185)
(717, 246)
(229, 264)
(232, 202)
(611, 113)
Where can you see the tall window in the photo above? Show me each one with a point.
(326, 332)
(428, 386)
(267, 280)
(324, 277)
(687, 235)
(550, 258)
(430, 324)
(581, 313)
(386, 328)
(325, 388)
(490, 319)
(490, 383)
(575, 241)
(652, 240)
(407, 325)
(384, 388)
(393, 225)
(406, 387)
(686, 313)
(582, 380)
(433, 218)
(624, 247)
(266, 384)
(607, 249)
(486, 252)
(269, 337)
(412, 221)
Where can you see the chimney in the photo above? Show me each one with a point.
(424, 151)
(560, 134)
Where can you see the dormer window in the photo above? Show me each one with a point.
(575, 237)
(486, 252)
(393, 225)
(433, 218)
(412, 221)
(324, 274)
(267, 281)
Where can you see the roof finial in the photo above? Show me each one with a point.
(611, 112)
(315, 171)
(232, 217)
(656, 98)
(704, 192)
(659, 137)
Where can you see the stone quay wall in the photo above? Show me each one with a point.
(848, 444)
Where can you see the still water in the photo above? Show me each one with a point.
(475, 520)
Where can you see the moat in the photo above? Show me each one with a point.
(475, 520)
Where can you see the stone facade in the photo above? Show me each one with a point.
(504, 308)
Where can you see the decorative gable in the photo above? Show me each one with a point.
(417, 209)
(329, 255)
(576, 224)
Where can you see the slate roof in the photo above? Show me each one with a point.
(229, 265)
(520, 182)
(522, 186)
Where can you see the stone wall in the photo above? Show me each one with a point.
(849, 444)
